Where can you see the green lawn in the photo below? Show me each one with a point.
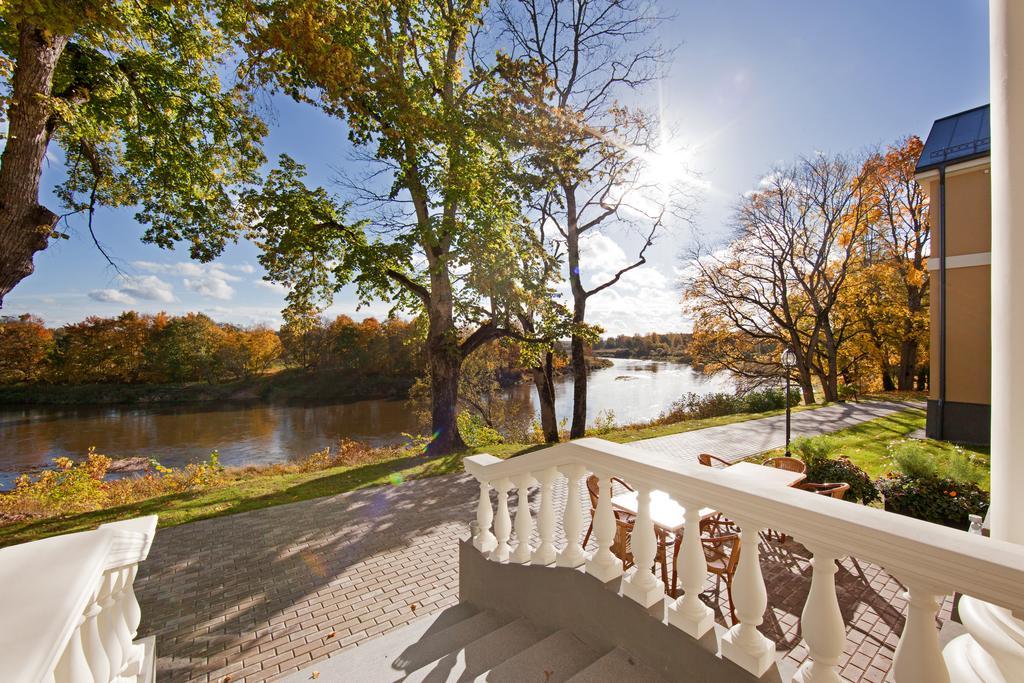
(247, 491)
(867, 444)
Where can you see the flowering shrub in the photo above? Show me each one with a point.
(69, 487)
(823, 468)
(933, 499)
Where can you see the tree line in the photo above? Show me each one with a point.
(670, 345)
(827, 258)
(491, 150)
(134, 348)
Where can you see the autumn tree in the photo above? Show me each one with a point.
(779, 281)
(186, 349)
(599, 158)
(131, 95)
(106, 349)
(25, 345)
(891, 297)
(443, 235)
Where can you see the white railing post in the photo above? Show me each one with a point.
(603, 565)
(688, 613)
(822, 622)
(502, 522)
(572, 519)
(743, 644)
(484, 540)
(545, 553)
(641, 584)
(918, 657)
(524, 520)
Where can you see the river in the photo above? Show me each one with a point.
(246, 434)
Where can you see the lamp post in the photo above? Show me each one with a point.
(788, 360)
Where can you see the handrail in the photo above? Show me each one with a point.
(929, 560)
(52, 592)
(895, 542)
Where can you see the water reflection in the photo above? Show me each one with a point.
(634, 390)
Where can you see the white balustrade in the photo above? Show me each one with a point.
(502, 522)
(822, 621)
(573, 554)
(484, 540)
(70, 612)
(641, 584)
(545, 552)
(524, 520)
(688, 613)
(603, 564)
(932, 561)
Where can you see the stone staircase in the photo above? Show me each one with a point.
(464, 643)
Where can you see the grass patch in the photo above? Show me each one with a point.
(867, 444)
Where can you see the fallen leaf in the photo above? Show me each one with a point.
(316, 674)
(413, 605)
(332, 634)
(547, 674)
(226, 679)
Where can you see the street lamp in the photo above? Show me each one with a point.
(788, 360)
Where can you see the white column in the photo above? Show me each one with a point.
(822, 622)
(988, 642)
(918, 657)
(484, 540)
(545, 552)
(602, 563)
(688, 613)
(572, 520)
(743, 644)
(642, 585)
(502, 522)
(524, 520)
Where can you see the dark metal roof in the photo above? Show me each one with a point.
(959, 137)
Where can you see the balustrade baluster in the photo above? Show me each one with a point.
(92, 640)
(545, 552)
(110, 627)
(502, 522)
(572, 520)
(73, 666)
(822, 622)
(524, 520)
(641, 584)
(688, 613)
(743, 644)
(918, 657)
(484, 540)
(603, 564)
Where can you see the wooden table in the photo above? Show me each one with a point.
(748, 473)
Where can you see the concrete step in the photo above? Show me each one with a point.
(618, 666)
(388, 657)
(553, 660)
(489, 650)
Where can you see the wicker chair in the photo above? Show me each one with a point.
(593, 488)
(709, 460)
(787, 463)
(831, 490)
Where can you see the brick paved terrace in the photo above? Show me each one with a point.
(254, 596)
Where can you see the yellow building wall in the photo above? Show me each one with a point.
(968, 335)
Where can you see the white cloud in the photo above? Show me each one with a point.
(211, 286)
(275, 287)
(114, 296)
(206, 279)
(148, 287)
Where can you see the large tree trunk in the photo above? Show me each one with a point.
(445, 360)
(578, 358)
(25, 225)
(543, 379)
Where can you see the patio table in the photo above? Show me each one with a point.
(748, 472)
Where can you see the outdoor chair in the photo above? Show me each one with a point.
(721, 544)
(831, 490)
(709, 460)
(787, 463)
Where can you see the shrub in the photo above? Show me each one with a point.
(693, 406)
(814, 449)
(842, 470)
(476, 432)
(604, 422)
(934, 499)
(912, 460)
(68, 488)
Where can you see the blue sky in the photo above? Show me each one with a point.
(754, 84)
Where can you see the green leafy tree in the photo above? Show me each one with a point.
(131, 93)
(445, 236)
(187, 348)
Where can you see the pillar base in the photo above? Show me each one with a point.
(604, 571)
(755, 657)
(693, 625)
(645, 595)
